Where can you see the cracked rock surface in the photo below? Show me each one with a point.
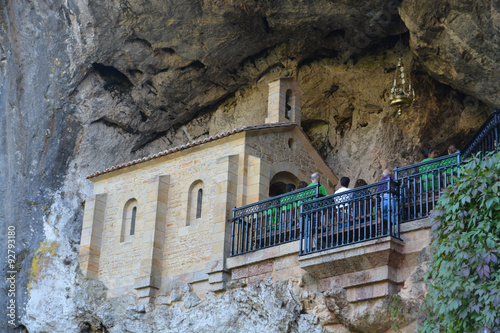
(85, 85)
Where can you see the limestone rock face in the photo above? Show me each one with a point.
(266, 307)
(349, 119)
(458, 42)
(88, 84)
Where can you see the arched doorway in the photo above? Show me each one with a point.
(277, 185)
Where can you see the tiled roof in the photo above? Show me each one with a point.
(191, 144)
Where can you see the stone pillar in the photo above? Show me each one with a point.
(153, 239)
(90, 243)
(257, 179)
(226, 192)
(277, 101)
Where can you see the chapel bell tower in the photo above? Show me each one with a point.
(285, 97)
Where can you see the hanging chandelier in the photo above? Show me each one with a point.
(402, 94)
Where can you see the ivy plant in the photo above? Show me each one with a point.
(399, 308)
(464, 273)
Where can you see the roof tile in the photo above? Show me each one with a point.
(189, 145)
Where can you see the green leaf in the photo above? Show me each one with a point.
(466, 239)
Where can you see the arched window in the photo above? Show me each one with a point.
(129, 220)
(195, 202)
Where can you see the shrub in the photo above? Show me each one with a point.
(464, 274)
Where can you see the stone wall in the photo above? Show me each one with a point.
(293, 152)
(187, 245)
(169, 246)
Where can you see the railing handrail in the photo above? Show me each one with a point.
(277, 197)
(434, 160)
(419, 166)
(362, 189)
(269, 222)
(493, 119)
(352, 216)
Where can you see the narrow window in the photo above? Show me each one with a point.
(198, 203)
(132, 222)
(195, 200)
(288, 104)
(129, 219)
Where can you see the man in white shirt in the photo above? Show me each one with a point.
(344, 209)
(344, 183)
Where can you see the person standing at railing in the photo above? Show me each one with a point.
(344, 183)
(315, 178)
(289, 206)
(290, 187)
(360, 182)
(287, 199)
(388, 197)
(302, 184)
(429, 154)
(451, 171)
(452, 149)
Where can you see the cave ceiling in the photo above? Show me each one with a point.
(170, 61)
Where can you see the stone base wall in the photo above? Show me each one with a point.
(280, 263)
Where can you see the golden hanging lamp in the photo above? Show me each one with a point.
(402, 94)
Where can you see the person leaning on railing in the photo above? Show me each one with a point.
(289, 204)
(388, 197)
(452, 150)
(360, 182)
(302, 184)
(344, 183)
(429, 155)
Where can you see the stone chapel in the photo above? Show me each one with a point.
(166, 218)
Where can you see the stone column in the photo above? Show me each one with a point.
(226, 193)
(153, 239)
(90, 243)
(257, 179)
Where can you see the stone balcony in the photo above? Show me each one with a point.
(366, 270)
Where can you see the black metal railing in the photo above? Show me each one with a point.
(349, 217)
(422, 184)
(356, 215)
(486, 138)
(269, 222)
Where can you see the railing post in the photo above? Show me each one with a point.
(232, 233)
(398, 216)
(390, 208)
(301, 231)
(497, 138)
